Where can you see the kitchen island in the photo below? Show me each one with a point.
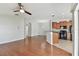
(53, 37)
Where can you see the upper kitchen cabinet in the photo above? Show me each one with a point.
(55, 25)
(63, 23)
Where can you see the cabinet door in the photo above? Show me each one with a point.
(55, 38)
(55, 25)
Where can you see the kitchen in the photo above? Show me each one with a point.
(61, 35)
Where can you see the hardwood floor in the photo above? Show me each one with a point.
(34, 46)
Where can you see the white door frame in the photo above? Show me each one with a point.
(75, 30)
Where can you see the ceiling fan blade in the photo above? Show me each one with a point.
(16, 11)
(28, 12)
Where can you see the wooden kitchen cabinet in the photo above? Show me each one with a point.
(55, 25)
(55, 38)
(61, 25)
(58, 26)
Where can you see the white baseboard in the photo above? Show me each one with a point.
(34, 35)
(4, 42)
(37, 35)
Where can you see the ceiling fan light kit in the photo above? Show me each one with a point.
(22, 11)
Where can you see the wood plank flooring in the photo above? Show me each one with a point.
(34, 46)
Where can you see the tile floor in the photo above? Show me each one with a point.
(65, 45)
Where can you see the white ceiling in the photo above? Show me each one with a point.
(40, 10)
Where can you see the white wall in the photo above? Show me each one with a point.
(11, 28)
(39, 27)
(35, 29)
(44, 27)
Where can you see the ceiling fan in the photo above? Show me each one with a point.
(21, 9)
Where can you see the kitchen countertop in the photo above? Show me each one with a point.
(56, 30)
(53, 31)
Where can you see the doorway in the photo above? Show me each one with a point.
(27, 30)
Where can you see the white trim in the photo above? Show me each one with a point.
(38, 34)
(4, 42)
(76, 31)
